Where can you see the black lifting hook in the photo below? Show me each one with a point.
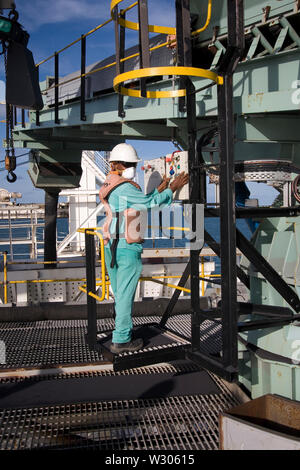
(11, 177)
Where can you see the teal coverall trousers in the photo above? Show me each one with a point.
(124, 277)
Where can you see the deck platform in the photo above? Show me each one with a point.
(57, 394)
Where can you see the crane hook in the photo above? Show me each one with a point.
(11, 177)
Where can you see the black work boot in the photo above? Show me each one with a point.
(130, 346)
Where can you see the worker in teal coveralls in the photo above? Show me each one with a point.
(125, 273)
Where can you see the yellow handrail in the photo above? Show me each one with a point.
(120, 79)
(202, 274)
(94, 231)
(166, 43)
(85, 35)
(158, 71)
(102, 257)
(208, 18)
(38, 281)
(173, 286)
(136, 26)
(74, 42)
(99, 69)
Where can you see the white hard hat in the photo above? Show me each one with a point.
(124, 153)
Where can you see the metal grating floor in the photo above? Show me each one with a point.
(171, 423)
(185, 421)
(47, 343)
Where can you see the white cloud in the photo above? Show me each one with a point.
(161, 12)
(35, 13)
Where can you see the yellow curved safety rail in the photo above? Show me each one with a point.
(169, 42)
(208, 18)
(135, 26)
(159, 71)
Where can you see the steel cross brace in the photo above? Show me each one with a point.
(262, 266)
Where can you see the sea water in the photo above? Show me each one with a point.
(22, 251)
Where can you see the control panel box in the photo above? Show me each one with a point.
(171, 165)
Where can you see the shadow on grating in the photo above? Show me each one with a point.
(63, 342)
(103, 388)
(172, 423)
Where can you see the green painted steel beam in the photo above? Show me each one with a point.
(202, 124)
(292, 32)
(260, 86)
(268, 128)
(265, 43)
(253, 14)
(112, 129)
(266, 151)
(68, 145)
(146, 130)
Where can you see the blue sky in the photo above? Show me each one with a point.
(51, 26)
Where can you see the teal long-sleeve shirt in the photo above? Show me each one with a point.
(128, 196)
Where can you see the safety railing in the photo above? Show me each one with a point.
(104, 280)
(171, 41)
(95, 232)
(6, 263)
(91, 285)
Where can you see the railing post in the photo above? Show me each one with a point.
(5, 276)
(15, 116)
(91, 287)
(37, 113)
(184, 50)
(143, 41)
(83, 78)
(56, 89)
(121, 111)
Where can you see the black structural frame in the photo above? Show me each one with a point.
(51, 201)
(227, 365)
(229, 310)
(90, 265)
(56, 89)
(37, 113)
(83, 78)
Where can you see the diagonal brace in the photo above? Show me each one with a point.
(267, 271)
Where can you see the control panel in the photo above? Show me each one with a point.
(171, 165)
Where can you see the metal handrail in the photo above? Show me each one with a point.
(169, 42)
(102, 260)
(104, 283)
(83, 36)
